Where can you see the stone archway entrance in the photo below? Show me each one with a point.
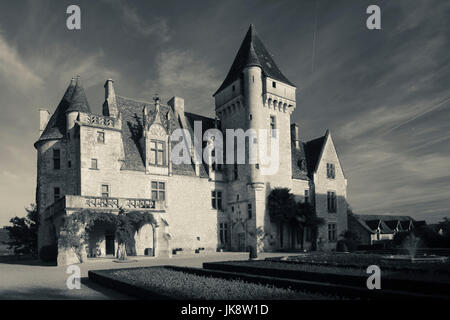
(145, 240)
(109, 243)
(102, 241)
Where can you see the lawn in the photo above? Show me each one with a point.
(183, 285)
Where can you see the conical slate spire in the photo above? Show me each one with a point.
(252, 52)
(78, 101)
(74, 99)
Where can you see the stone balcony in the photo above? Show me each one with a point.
(71, 203)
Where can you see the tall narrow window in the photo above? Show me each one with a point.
(216, 200)
(100, 137)
(94, 164)
(330, 171)
(249, 211)
(105, 191)
(157, 152)
(223, 233)
(273, 126)
(221, 236)
(225, 225)
(235, 171)
(332, 231)
(306, 196)
(219, 200)
(56, 193)
(56, 159)
(274, 84)
(158, 190)
(213, 199)
(331, 201)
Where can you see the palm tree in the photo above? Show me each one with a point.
(281, 204)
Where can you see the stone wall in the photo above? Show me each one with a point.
(322, 185)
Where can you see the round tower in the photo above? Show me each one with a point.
(252, 93)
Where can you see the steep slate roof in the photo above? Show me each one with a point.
(299, 155)
(392, 224)
(373, 224)
(74, 99)
(387, 223)
(132, 128)
(405, 224)
(310, 153)
(252, 52)
(365, 217)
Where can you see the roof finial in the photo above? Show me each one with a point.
(78, 79)
(156, 99)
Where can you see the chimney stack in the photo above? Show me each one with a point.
(44, 116)
(177, 105)
(110, 104)
(295, 135)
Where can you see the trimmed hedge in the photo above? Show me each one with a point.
(286, 271)
(186, 283)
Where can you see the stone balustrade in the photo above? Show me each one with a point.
(73, 203)
(100, 120)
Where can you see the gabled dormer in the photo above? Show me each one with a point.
(155, 141)
(324, 162)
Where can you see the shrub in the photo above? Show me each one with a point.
(23, 232)
(341, 246)
(48, 253)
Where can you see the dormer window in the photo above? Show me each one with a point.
(157, 153)
(302, 164)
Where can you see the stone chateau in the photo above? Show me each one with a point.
(121, 160)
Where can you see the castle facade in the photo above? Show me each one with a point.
(121, 160)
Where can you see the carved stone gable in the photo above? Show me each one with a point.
(157, 130)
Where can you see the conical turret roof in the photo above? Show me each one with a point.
(252, 52)
(74, 99)
(78, 100)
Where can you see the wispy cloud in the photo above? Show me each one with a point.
(14, 69)
(149, 26)
(185, 74)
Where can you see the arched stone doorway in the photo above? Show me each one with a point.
(145, 240)
(240, 241)
(102, 240)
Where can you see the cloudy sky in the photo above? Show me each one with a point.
(384, 94)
